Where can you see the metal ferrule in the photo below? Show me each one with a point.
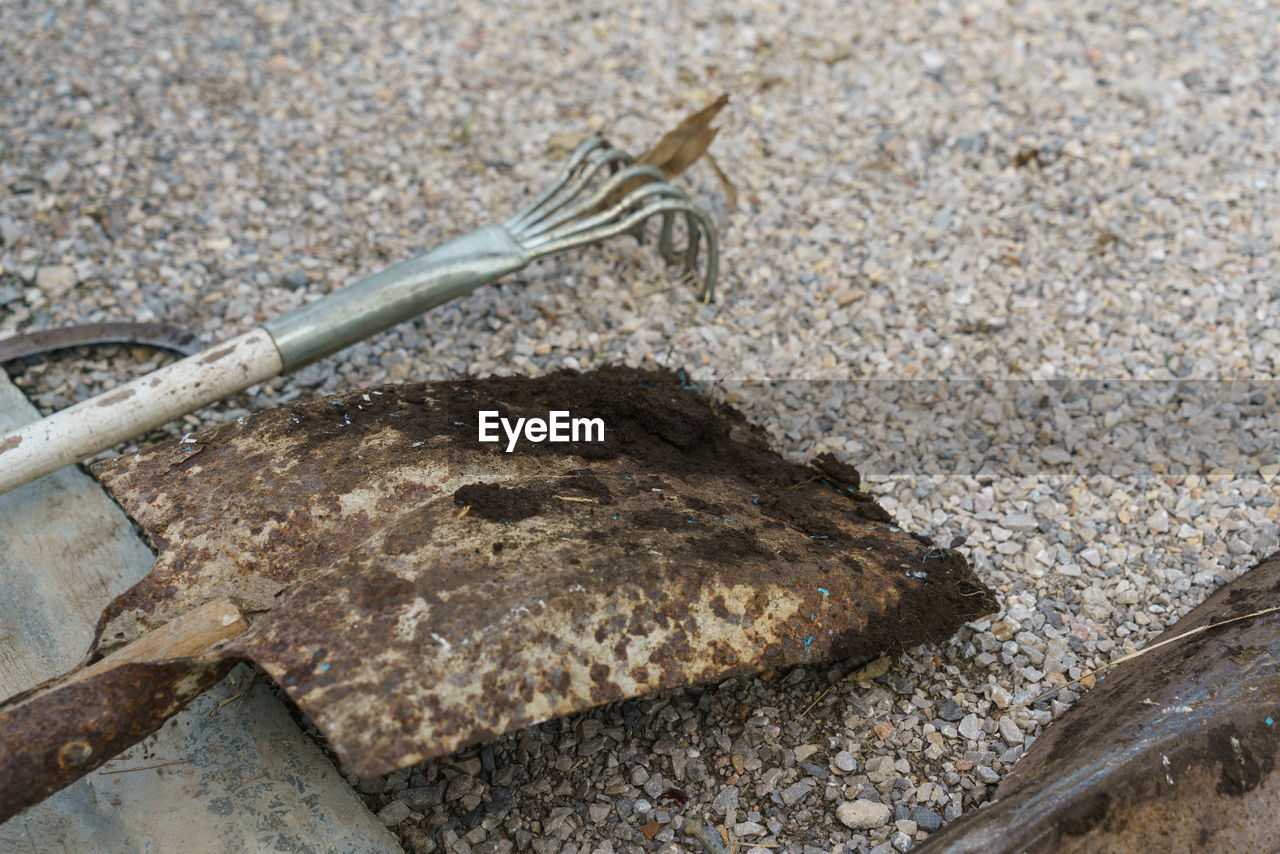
(394, 295)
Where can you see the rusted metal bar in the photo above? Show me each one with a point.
(1174, 750)
(160, 335)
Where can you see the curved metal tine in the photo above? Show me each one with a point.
(713, 253)
(567, 192)
(604, 232)
(669, 254)
(664, 237)
(661, 205)
(579, 154)
(697, 224)
(691, 254)
(596, 199)
(573, 226)
(690, 251)
(586, 158)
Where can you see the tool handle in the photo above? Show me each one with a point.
(92, 425)
(395, 294)
(66, 728)
(279, 346)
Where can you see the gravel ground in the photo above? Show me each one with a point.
(1022, 191)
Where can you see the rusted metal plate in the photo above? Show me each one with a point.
(1173, 751)
(415, 590)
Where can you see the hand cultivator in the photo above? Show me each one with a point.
(599, 194)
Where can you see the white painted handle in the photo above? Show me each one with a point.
(80, 431)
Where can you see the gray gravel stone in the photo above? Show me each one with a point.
(796, 792)
(56, 173)
(926, 819)
(863, 815)
(393, 813)
(1095, 604)
(56, 280)
(985, 774)
(725, 800)
(1009, 731)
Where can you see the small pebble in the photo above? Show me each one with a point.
(55, 281)
(926, 819)
(949, 710)
(393, 813)
(863, 815)
(1009, 731)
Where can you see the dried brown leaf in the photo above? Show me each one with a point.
(690, 139)
(679, 148)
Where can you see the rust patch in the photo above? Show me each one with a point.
(499, 504)
(116, 397)
(1175, 750)
(679, 550)
(10, 443)
(215, 355)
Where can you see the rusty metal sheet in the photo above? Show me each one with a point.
(415, 590)
(1173, 751)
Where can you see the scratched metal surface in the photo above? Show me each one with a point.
(1174, 751)
(407, 625)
